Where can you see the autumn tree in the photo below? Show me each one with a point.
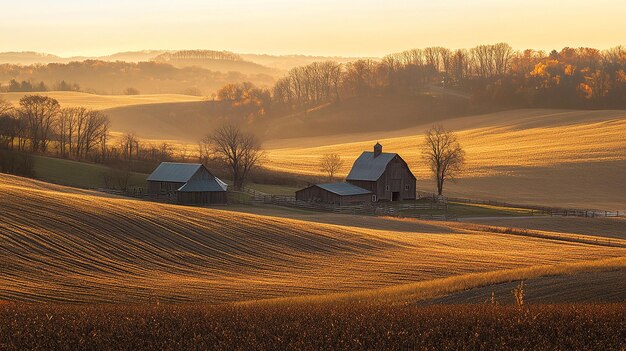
(444, 155)
(331, 164)
(239, 150)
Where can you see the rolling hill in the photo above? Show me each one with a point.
(552, 157)
(62, 244)
(98, 102)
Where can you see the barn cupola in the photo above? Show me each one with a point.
(378, 149)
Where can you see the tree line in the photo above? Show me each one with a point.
(39, 121)
(490, 75)
(29, 86)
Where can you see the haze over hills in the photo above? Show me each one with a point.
(274, 62)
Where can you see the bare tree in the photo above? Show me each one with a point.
(8, 124)
(40, 114)
(81, 130)
(5, 107)
(444, 154)
(239, 150)
(128, 145)
(330, 164)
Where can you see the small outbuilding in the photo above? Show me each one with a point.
(189, 183)
(335, 194)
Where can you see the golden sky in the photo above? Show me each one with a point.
(324, 27)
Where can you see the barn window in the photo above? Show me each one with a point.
(387, 187)
(374, 198)
(406, 187)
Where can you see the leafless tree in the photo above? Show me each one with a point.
(444, 155)
(129, 145)
(8, 124)
(239, 150)
(81, 130)
(331, 164)
(40, 114)
(5, 107)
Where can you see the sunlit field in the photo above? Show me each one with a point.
(532, 156)
(63, 244)
(528, 142)
(95, 101)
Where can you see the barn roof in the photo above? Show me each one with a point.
(174, 172)
(343, 189)
(368, 167)
(214, 184)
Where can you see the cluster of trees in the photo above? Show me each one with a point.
(490, 74)
(28, 86)
(24, 86)
(39, 121)
(246, 98)
(198, 54)
(312, 84)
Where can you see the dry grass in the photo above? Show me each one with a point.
(425, 290)
(61, 244)
(577, 287)
(312, 327)
(72, 98)
(611, 227)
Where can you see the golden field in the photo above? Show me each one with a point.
(66, 245)
(100, 102)
(549, 157)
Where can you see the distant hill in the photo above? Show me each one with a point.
(105, 77)
(28, 58)
(94, 101)
(265, 63)
(287, 62)
(31, 57)
(190, 121)
(221, 61)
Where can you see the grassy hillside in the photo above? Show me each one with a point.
(189, 121)
(78, 174)
(551, 157)
(62, 244)
(73, 98)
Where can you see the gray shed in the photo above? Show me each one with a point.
(190, 183)
(334, 194)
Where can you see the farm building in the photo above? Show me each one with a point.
(385, 174)
(375, 176)
(190, 183)
(334, 194)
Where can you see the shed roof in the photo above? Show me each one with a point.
(368, 167)
(174, 172)
(214, 184)
(343, 189)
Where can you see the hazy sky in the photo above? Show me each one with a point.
(348, 28)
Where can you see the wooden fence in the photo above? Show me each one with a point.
(551, 211)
